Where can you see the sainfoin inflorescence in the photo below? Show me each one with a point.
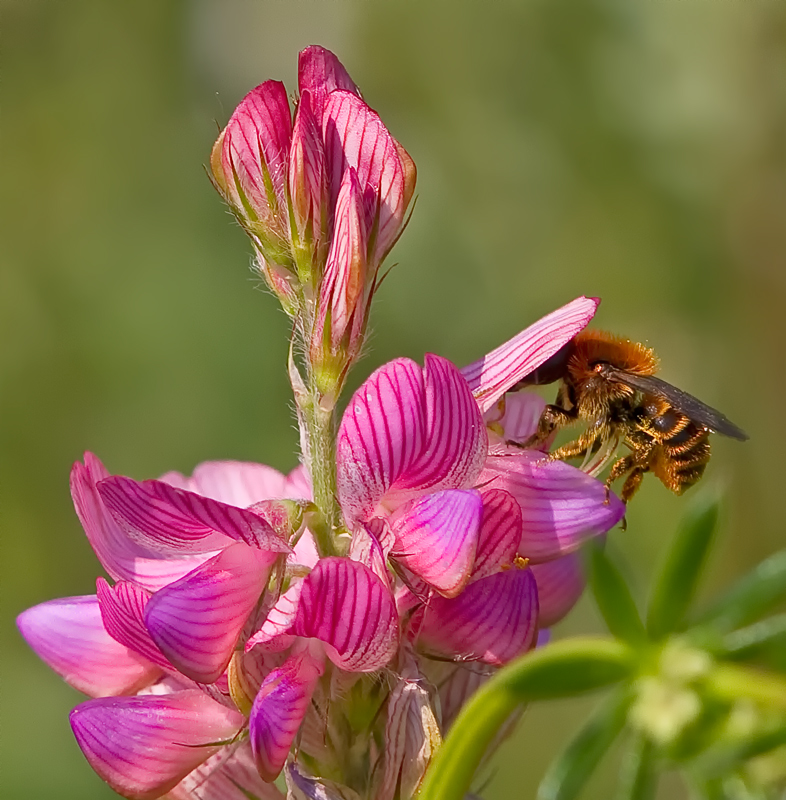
(316, 633)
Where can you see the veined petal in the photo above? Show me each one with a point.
(280, 620)
(346, 606)
(522, 414)
(494, 374)
(371, 544)
(70, 637)
(144, 746)
(381, 434)
(436, 537)
(197, 620)
(238, 483)
(121, 557)
(356, 137)
(278, 710)
(500, 533)
(173, 520)
(493, 620)
(561, 506)
(560, 584)
(455, 690)
(307, 176)
(320, 73)
(456, 443)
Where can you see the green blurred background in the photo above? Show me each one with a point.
(633, 151)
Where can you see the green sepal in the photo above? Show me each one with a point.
(753, 595)
(568, 774)
(758, 639)
(563, 669)
(638, 777)
(722, 759)
(613, 597)
(675, 587)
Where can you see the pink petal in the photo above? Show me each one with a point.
(320, 73)
(371, 544)
(197, 620)
(381, 434)
(493, 620)
(172, 520)
(307, 177)
(121, 557)
(356, 137)
(297, 485)
(522, 414)
(560, 584)
(70, 637)
(144, 746)
(454, 692)
(561, 506)
(278, 710)
(238, 483)
(494, 374)
(279, 622)
(346, 606)
(255, 149)
(500, 533)
(437, 536)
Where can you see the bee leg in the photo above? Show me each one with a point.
(620, 468)
(579, 446)
(553, 417)
(631, 485)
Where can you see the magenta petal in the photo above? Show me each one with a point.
(456, 441)
(320, 73)
(121, 557)
(345, 605)
(437, 536)
(371, 544)
(500, 533)
(561, 505)
(122, 609)
(278, 710)
(560, 584)
(277, 626)
(356, 137)
(494, 374)
(197, 620)
(143, 746)
(307, 177)
(173, 520)
(493, 620)
(70, 637)
(380, 436)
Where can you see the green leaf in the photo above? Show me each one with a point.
(638, 779)
(562, 669)
(753, 595)
(724, 758)
(613, 597)
(569, 773)
(676, 585)
(753, 640)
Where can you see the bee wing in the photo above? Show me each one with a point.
(685, 403)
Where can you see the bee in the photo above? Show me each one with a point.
(609, 383)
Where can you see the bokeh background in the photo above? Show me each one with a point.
(633, 151)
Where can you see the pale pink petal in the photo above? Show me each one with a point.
(356, 137)
(455, 690)
(307, 177)
(500, 533)
(297, 485)
(561, 505)
(522, 414)
(456, 443)
(320, 73)
(380, 436)
(436, 537)
(172, 520)
(238, 483)
(144, 746)
(278, 710)
(346, 606)
(70, 637)
(278, 623)
(197, 620)
(305, 552)
(371, 544)
(121, 557)
(560, 584)
(493, 620)
(500, 370)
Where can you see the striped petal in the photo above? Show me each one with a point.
(306, 177)
(144, 746)
(381, 434)
(346, 606)
(500, 533)
(122, 557)
(561, 505)
(278, 710)
(70, 637)
(320, 73)
(277, 627)
(436, 537)
(560, 584)
(522, 414)
(161, 516)
(197, 620)
(493, 620)
(500, 370)
(356, 137)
